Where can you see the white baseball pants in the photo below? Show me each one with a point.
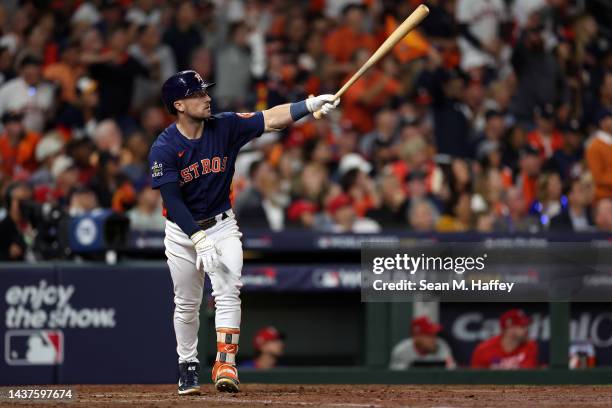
(189, 282)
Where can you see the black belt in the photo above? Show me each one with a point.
(208, 222)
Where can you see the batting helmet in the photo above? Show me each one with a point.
(181, 85)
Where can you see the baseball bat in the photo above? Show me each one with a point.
(396, 36)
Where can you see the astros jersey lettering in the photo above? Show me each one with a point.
(204, 167)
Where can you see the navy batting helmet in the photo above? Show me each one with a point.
(181, 85)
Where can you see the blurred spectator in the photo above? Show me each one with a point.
(603, 215)
(107, 137)
(66, 71)
(515, 218)
(568, 157)
(147, 215)
(545, 138)
(599, 156)
(151, 53)
(480, 28)
(82, 201)
(458, 216)
(530, 165)
(423, 349)
(394, 206)
(549, 202)
(494, 130)
(28, 94)
(422, 216)
(143, 12)
(302, 214)
(370, 93)
(47, 150)
(540, 78)
(17, 145)
(13, 225)
(575, 217)
(512, 349)
(80, 117)
(351, 35)
(260, 206)
(344, 218)
(269, 346)
(233, 70)
(116, 70)
(183, 36)
(134, 160)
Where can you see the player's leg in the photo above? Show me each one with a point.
(226, 286)
(188, 285)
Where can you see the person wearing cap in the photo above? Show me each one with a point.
(47, 150)
(17, 145)
(494, 130)
(545, 137)
(568, 158)
(345, 220)
(512, 349)
(269, 346)
(302, 214)
(599, 155)
(423, 348)
(28, 91)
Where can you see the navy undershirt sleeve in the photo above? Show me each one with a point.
(176, 208)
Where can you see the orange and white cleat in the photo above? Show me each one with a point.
(224, 372)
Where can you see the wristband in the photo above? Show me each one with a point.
(298, 110)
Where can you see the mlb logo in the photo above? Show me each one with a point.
(34, 347)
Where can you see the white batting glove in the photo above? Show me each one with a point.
(207, 254)
(324, 103)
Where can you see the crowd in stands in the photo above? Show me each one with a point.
(493, 116)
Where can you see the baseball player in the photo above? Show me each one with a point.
(192, 164)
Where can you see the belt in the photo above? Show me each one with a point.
(210, 222)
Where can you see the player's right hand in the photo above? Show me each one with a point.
(323, 103)
(207, 254)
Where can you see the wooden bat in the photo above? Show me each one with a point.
(396, 36)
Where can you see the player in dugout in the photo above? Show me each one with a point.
(512, 349)
(423, 349)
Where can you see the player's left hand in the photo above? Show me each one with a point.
(207, 254)
(324, 103)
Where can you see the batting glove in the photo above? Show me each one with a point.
(207, 254)
(324, 103)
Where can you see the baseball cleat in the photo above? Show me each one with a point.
(189, 384)
(225, 377)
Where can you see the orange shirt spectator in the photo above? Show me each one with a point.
(368, 94)
(17, 146)
(512, 349)
(343, 42)
(599, 156)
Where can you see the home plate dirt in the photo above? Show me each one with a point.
(374, 396)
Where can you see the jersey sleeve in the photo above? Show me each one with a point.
(163, 167)
(479, 357)
(246, 127)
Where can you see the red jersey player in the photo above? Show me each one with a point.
(511, 349)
